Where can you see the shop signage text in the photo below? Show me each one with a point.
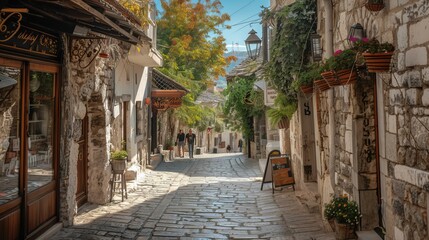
(15, 36)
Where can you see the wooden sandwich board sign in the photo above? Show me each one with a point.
(267, 173)
(278, 170)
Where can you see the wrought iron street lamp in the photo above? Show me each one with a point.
(253, 44)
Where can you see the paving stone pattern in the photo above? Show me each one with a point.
(211, 198)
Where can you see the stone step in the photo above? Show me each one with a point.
(368, 235)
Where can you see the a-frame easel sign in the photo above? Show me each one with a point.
(278, 171)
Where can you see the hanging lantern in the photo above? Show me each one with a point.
(147, 101)
(356, 32)
(253, 44)
(316, 46)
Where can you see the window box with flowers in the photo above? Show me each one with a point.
(345, 215)
(340, 69)
(377, 55)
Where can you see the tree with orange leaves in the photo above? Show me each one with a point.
(190, 39)
(193, 47)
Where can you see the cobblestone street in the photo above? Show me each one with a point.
(203, 198)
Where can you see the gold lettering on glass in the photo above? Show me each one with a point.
(9, 26)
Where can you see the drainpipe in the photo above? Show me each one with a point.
(329, 52)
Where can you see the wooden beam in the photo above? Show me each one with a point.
(103, 18)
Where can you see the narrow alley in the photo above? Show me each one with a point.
(202, 198)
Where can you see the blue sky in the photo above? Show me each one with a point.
(244, 17)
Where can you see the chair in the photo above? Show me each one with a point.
(118, 177)
(11, 168)
(32, 159)
(2, 167)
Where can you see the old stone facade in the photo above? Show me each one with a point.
(87, 93)
(371, 137)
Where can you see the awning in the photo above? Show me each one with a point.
(145, 56)
(166, 93)
(106, 17)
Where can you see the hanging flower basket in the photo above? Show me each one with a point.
(347, 76)
(306, 89)
(329, 77)
(378, 62)
(283, 124)
(374, 7)
(321, 84)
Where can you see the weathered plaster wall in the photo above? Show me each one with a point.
(131, 82)
(302, 143)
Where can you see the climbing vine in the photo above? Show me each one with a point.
(243, 102)
(290, 49)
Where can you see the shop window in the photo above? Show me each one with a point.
(40, 129)
(10, 89)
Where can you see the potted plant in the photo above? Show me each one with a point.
(377, 55)
(169, 145)
(306, 78)
(281, 112)
(118, 160)
(340, 68)
(345, 214)
(374, 5)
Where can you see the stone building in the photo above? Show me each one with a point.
(371, 137)
(72, 88)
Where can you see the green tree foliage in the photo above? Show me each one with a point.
(242, 103)
(290, 50)
(193, 50)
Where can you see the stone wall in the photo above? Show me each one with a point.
(86, 91)
(406, 117)
(402, 118)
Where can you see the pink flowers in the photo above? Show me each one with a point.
(353, 39)
(338, 52)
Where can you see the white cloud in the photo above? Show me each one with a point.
(236, 47)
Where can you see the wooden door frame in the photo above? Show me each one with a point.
(82, 199)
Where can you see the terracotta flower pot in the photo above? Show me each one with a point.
(374, 7)
(346, 76)
(343, 231)
(306, 89)
(378, 62)
(321, 84)
(330, 78)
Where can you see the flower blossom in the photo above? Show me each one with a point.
(338, 52)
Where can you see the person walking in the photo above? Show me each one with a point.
(190, 138)
(240, 144)
(181, 143)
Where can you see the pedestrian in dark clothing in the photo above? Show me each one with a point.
(191, 138)
(180, 140)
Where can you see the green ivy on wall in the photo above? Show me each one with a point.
(242, 104)
(290, 50)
